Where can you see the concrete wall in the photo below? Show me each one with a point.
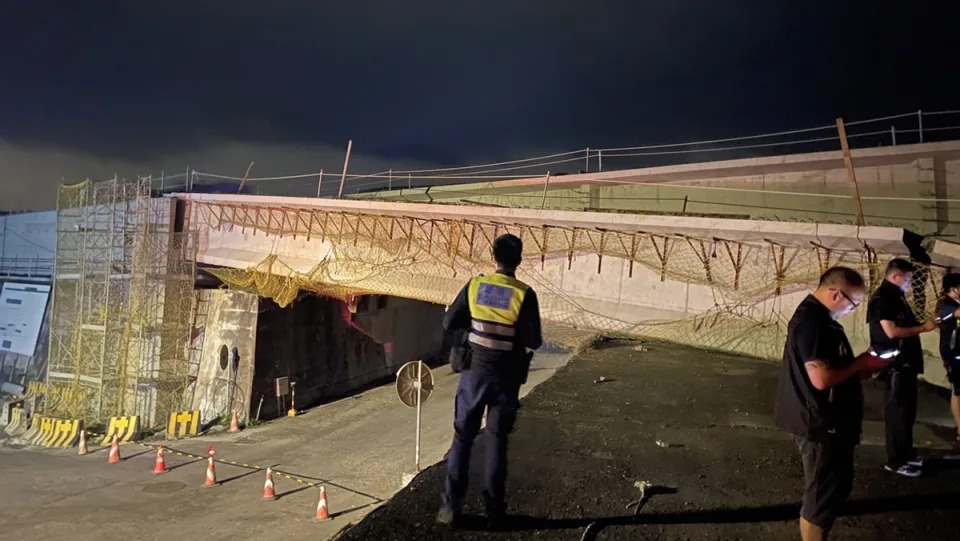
(409, 329)
(231, 321)
(897, 185)
(688, 312)
(329, 351)
(28, 242)
(567, 198)
(31, 234)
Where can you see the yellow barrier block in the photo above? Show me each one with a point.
(126, 429)
(16, 420)
(46, 425)
(66, 433)
(33, 429)
(183, 424)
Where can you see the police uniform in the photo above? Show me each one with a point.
(900, 394)
(950, 342)
(503, 319)
(825, 424)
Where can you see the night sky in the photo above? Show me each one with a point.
(92, 88)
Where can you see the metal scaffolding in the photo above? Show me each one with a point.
(122, 304)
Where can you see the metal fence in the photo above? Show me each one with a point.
(33, 268)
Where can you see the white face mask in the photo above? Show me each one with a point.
(849, 305)
(905, 286)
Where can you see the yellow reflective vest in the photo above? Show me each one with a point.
(495, 302)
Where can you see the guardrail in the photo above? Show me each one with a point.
(26, 267)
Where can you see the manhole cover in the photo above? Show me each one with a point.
(164, 488)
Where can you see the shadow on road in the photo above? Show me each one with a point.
(352, 509)
(293, 491)
(766, 513)
(135, 455)
(182, 464)
(322, 481)
(241, 476)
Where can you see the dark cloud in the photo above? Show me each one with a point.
(455, 82)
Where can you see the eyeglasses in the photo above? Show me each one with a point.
(852, 302)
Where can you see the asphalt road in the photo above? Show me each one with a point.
(358, 448)
(721, 470)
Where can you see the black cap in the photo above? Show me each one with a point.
(951, 281)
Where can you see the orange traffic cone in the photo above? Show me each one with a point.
(322, 513)
(268, 493)
(211, 480)
(114, 451)
(159, 466)
(235, 423)
(82, 444)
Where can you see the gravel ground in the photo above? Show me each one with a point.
(698, 426)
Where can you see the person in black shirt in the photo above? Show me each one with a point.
(820, 399)
(894, 328)
(950, 340)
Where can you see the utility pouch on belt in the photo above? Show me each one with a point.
(460, 353)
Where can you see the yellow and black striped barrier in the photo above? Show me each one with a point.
(32, 429)
(126, 429)
(16, 420)
(183, 424)
(65, 433)
(45, 426)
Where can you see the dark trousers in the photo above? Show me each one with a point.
(899, 414)
(827, 477)
(478, 391)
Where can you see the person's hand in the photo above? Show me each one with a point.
(929, 325)
(869, 362)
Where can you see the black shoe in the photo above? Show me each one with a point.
(905, 470)
(446, 517)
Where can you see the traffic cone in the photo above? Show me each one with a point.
(114, 451)
(159, 466)
(211, 479)
(235, 423)
(322, 513)
(268, 493)
(82, 444)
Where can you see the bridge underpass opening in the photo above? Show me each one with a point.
(329, 347)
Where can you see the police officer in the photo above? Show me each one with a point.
(820, 397)
(894, 328)
(503, 318)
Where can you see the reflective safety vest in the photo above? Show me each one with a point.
(495, 302)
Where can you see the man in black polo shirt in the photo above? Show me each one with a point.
(820, 399)
(893, 327)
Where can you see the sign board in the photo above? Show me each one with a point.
(21, 315)
(283, 386)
